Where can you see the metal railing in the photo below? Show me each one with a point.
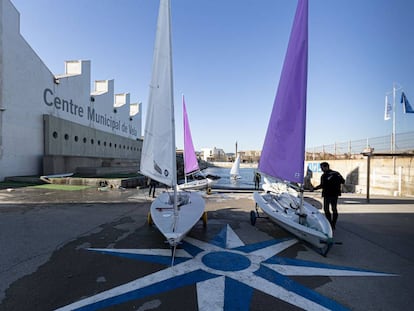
(404, 142)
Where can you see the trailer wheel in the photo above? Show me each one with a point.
(149, 219)
(204, 218)
(253, 218)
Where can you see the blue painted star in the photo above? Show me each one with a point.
(225, 271)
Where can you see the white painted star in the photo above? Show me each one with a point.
(225, 271)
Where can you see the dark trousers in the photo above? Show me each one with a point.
(152, 189)
(333, 202)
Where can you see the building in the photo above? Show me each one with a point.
(52, 124)
(251, 156)
(213, 154)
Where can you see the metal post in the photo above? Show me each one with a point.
(368, 174)
(368, 153)
(393, 118)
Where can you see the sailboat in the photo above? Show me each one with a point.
(173, 212)
(283, 153)
(235, 169)
(191, 167)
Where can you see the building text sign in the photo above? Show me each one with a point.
(90, 114)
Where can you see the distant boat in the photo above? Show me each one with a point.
(191, 167)
(235, 169)
(284, 148)
(173, 212)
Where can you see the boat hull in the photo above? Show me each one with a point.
(190, 209)
(197, 184)
(280, 208)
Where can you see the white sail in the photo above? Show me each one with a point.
(158, 159)
(235, 169)
(174, 212)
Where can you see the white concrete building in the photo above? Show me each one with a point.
(212, 153)
(54, 123)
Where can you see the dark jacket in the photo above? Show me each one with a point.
(331, 184)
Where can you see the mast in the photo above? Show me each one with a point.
(173, 151)
(173, 146)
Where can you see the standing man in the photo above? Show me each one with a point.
(257, 178)
(152, 186)
(331, 188)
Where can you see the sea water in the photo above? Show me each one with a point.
(246, 180)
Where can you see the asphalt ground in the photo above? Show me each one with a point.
(45, 264)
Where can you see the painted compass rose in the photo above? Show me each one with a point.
(225, 272)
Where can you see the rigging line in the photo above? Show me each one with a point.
(173, 254)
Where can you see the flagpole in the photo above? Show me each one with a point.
(395, 87)
(394, 91)
(393, 119)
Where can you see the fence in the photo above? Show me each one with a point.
(404, 142)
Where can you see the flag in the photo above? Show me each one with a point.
(406, 105)
(388, 109)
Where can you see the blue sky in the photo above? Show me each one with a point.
(228, 55)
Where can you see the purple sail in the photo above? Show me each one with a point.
(190, 159)
(283, 152)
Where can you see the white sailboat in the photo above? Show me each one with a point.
(173, 212)
(191, 167)
(283, 153)
(235, 169)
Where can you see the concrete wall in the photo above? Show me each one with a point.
(65, 138)
(388, 175)
(75, 148)
(29, 90)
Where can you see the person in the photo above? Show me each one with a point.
(152, 186)
(331, 189)
(257, 178)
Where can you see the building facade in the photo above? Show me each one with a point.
(52, 124)
(213, 154)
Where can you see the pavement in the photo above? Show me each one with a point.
(46, 262)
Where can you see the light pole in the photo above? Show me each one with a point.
(368, 153)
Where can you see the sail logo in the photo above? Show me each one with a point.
(157, 168)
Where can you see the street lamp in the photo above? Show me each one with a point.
(368, 153)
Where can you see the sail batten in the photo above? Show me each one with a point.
(283, 152)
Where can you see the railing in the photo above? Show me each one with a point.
(404, 142)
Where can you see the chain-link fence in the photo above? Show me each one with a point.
(404, 142)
